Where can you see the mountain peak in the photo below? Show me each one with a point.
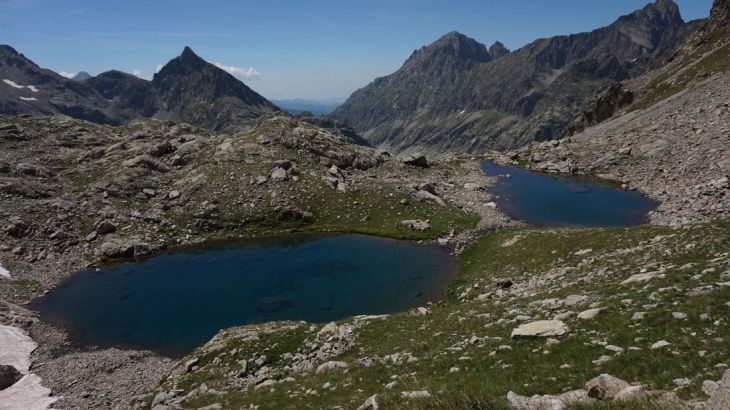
(188, 53)
(667, 10)
(498, 50)
(6, 49)
(452, 46)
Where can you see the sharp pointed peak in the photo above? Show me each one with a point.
(188, 53)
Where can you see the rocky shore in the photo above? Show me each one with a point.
(75, 194)
(674, 152)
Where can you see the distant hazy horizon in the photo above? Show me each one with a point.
(318, 50)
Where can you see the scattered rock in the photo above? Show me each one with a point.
(422, 394)
(660, 344)
(370, 403)
(605, 387)
(720, 399)
(589, 314)
(416, 225)
(330, 365)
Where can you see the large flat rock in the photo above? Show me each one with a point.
(541, 328)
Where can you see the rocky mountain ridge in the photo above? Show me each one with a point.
(454, 96)
(187, 89)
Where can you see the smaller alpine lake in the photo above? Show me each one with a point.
(552, 200)
(176, 301)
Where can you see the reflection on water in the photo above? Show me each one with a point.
(550, 200)
(179, 300)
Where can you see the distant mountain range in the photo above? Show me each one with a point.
(187, 89)
(297, 106)
(454, 95)
(458, 95)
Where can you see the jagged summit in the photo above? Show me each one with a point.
(454, 45)
(498, 50)
(193, 90)
(187, 89)
(456, 94)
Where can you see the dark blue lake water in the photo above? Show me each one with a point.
(550, 200)
(177, 301)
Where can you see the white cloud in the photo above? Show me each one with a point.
(140, 74)
(244, 73)
(159, 67)
(67, 75)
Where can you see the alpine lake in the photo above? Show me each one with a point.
(178, 300)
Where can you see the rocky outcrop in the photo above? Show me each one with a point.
(456, 95)
(602, 107)
(719, 16)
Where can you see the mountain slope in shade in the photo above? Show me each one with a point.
(26, 88)
(458, 95)
(187, 89)
(131, 97)
(192, 90)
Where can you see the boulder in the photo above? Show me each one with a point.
(330, 365)
(33, 170)
(370, 403)
(417, 160)
(9, 375)
(541, 328)
(279, 175)
(121, 248)
(427, 197)
(161, 149)
(416, 225)
(720, 399)
(105, 227)
(146, 162)
(605, 387)
(589, 314)
(538, 402)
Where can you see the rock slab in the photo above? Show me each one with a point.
(541, 328)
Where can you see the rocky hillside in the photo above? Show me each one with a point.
(187, 89)
(456, 95)
(74, 193)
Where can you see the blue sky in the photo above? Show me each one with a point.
(316, 49)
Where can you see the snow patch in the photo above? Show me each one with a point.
(32, 88)
(4, 272)
(28, 99)
(15, 349)
(13, 84)
(27, 394)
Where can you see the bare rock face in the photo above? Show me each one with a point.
(719, 16)
(602, 107)
(541, 328)
(530, 94)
